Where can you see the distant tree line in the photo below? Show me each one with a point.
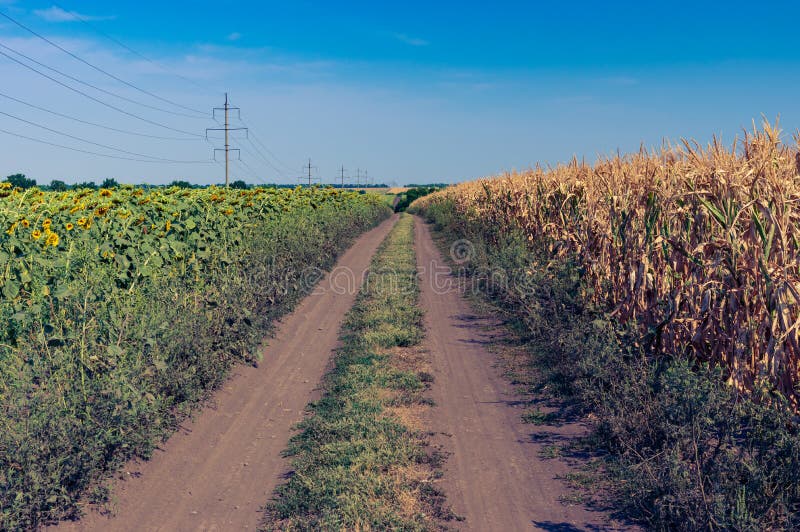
(57, 185)
(429, 185)
(412, 194)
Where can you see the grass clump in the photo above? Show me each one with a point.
(358, 463)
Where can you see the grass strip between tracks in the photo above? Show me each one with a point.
(361, 460)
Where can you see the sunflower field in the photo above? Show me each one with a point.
(122, 308)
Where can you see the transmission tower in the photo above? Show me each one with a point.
(309, 176)
(343, 177)
(227, 129)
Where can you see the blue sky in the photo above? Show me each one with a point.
(411, 91)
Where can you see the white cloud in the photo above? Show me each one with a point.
(413, 41)
(235, 36)
(56, 14)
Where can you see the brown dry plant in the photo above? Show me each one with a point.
(698, 245)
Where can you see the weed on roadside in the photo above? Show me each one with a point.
(360, 461)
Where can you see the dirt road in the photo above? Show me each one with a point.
(495, 477)
(218, 471)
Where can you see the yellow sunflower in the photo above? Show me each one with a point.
(69, 226)
(36, 234)
(52, 240)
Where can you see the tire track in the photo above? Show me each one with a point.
(218, 471)
(494, 477)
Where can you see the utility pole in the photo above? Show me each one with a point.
(358, 177)
(227, 129)
(366, 178)
(309, 175)
(343, 178)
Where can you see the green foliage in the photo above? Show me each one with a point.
(116, 328)
(181, 184)
(349, 455)
(109, 182)
(411, 195)
(57, 185)
(683, 449)
(239, 184)
(19, 180)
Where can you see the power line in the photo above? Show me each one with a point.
(343, 177)
(73, 137)
(97, 68)
(134, 52)
(96, 153)
(227, 129)
(101, 102)
(249, 153)
(245, 169)
(309, 177)
(286, 167)
(253, 172)
(275, 157)
(99, 89)
(267, 161)
(80, 120)
(248, 170)
(271, 153)
(282, 172)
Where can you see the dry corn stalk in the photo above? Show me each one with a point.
(698, 246)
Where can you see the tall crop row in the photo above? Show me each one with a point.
(122, 308)
(698, 247)
(641, 283)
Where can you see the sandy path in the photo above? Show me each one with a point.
(495, 476)
(220, 469)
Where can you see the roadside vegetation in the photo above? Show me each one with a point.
(123, 308)
(360, 460)
(657, 296)
(409, 196)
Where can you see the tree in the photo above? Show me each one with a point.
(19, 180)
(85, 184)
(57, 185)
(181, 184)
(109, 182)
(239, 184)
(411, 195)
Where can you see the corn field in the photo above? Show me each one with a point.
(699, 246)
